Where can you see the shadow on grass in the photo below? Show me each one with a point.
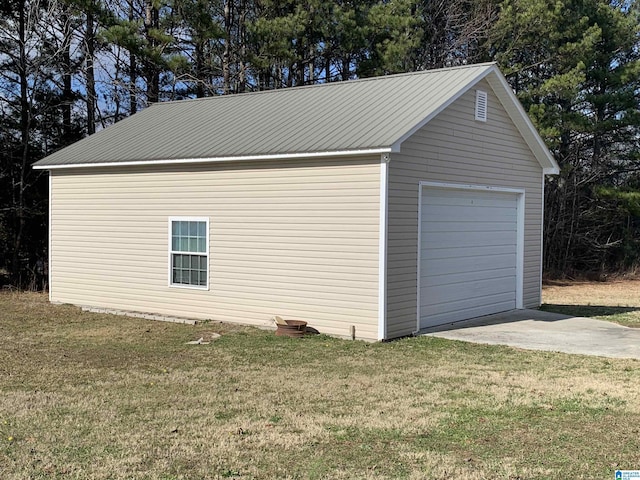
(587, 310)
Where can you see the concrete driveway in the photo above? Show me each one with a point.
(537, 330)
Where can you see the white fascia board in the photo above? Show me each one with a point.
(246, 158)
(396, 146)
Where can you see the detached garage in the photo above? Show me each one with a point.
(385, 206)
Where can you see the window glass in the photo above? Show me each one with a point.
(189, 259)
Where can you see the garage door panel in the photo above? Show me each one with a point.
(467, 276)
(464, 291)
(468, 253)
(447, 266)
(476, 204)
(478, 215)
(468, 304)
(453, 227)
(435, 241)
(450, 316)
(468, 198)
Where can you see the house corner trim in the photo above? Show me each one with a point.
(49, 255)
(382, 249)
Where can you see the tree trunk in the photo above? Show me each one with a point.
(242, 38)
(24, 144)
(346, 68)
(226, 54)
(89, 40)
(67, 92)
(199, 68)
(152, 22)
(133, 71)
(327, 68)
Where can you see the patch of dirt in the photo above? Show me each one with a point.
(614, 293)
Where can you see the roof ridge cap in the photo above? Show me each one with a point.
(329, 84)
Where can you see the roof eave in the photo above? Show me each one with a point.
(244, 158)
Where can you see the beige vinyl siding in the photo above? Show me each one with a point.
(298, 239)
(455, 148)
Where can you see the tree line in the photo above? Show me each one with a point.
(71, 67)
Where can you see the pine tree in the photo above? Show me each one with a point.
(30, 107)
(575, 66)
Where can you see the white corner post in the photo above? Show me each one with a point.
(520, 249)
(49, 235)
(541, 238)
(382, 252)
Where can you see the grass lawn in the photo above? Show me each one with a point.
(90, 396)
(616, 301)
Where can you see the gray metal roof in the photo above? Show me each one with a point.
(351, 117)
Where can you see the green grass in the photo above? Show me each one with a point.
(106, 397)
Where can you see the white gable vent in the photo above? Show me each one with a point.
(481, 106)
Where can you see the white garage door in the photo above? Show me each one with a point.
(468, 254)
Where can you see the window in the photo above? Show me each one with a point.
(189, 252)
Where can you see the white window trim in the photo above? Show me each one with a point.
(170, 252)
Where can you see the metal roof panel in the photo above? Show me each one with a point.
(358, 115)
